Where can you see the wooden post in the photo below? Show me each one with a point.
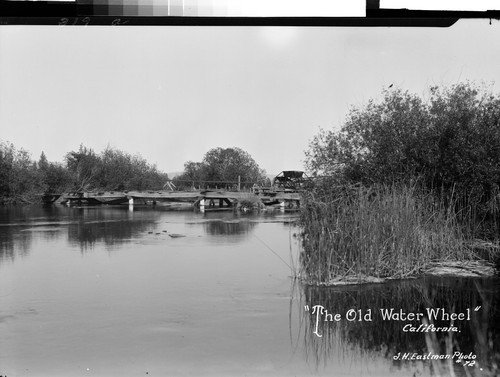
(239, 183)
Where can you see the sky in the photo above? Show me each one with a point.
(171, 94)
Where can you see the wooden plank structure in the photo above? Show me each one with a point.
(204, 198)
(285, 193)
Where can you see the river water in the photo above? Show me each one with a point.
(147, 292)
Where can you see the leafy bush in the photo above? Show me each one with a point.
(450, 140)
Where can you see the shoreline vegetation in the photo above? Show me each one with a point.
(24, 180)
(409, 185)
(353, 234)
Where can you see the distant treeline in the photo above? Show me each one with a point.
(23, 180)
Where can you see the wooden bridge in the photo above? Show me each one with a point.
(209, 199)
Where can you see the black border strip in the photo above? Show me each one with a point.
(83, 13)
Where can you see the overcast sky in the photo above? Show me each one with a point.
(172, 93)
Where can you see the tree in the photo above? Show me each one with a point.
(145, 176)
(450, 141)
(85, 167)
(53, 177)
(112, 170)
(24, 180)
(227, 164)
(57, 178)
(43, 163)
(18, 175)
(116, 169)
(7, 153)
(223, 167)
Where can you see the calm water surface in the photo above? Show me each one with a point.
(108, 292)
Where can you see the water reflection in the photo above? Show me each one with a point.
(85, 226)
(372, 337)
(228, 227)
(10, 248)
(236, 226)
(16, 223)
(112, 227)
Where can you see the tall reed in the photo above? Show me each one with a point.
(383, 231)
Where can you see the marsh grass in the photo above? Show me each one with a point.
(382, 232)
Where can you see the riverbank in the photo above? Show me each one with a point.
(456, 269)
